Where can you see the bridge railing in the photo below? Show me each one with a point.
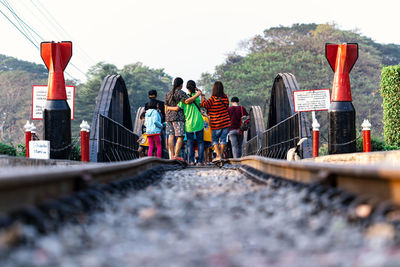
(277, 140)
(251, 147)
(116, 142)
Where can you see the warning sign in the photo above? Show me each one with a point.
(39, 97)
(311, 100)
(39, 149)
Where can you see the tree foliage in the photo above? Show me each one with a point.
(86, 94)
(12, 64)
(139, 79)
(300, 50)
(7, 150)
(15, 103)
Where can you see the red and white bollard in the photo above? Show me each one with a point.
(85, 133)
(28, 137)
(366, 128)
(315, 145)
(33, 132)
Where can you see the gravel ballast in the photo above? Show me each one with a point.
(208, 217)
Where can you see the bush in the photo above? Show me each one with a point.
(377, 144)
(75, 153)
(323, 149)
(7, 150)
(21, 150)
(388, 147)
(390, 90)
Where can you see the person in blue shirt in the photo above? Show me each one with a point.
(153, 127)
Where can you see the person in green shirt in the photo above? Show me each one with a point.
(194, 124)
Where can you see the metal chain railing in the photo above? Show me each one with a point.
(72, 144)
(342, 144)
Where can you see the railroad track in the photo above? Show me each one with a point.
(28, 187)
(20, 187)
(87, 211)
(380, 182)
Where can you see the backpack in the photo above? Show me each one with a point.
(244, 121)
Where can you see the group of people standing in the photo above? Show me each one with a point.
(194, 118)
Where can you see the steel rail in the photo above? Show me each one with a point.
(20, 187)
(381, 182)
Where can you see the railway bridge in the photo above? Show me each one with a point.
(257, 210)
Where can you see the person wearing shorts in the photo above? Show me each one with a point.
(175, 117)
(217, 106)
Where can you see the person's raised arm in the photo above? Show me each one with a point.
(193, 98)
(206, 103)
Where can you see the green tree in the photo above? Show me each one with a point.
(300, 50)
(12, 64)
(206, 82)
(140, 79)
(87, 93)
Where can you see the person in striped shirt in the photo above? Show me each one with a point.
(217, 106)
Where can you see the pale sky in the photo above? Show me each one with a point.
(185, 37)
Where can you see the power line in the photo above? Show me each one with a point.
(21, 21)
(25, 34)
(65, 32)
(19, 29)
(29, 32)
(85, 58)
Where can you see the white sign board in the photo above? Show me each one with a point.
(39, 149)
(311, 100)
(39, 97)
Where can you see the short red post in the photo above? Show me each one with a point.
(28, 137)
(366, 128)
(85, 132)
(33, 132)
(315, 126)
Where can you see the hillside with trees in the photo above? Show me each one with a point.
(300, 50)
(16, 80)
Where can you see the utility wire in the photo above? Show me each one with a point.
(52, 21)
(65, 32)
(29, 33)
(33, 42)
(21, 22)
(7, 5)
(84, 57)
(27, 37)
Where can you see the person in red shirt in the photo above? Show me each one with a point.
(236, 112)
(217, 106)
